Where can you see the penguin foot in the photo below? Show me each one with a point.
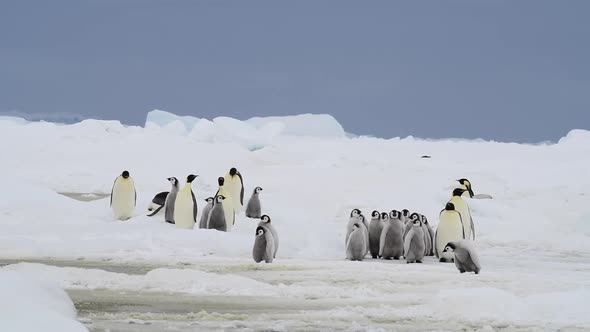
(462, 271)
(396, 258)
(374, 256)
(419, 262)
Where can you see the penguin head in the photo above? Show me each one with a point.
(394, 214)
(233, 171)
(191, 178)
(173, 180)
(220, 180)
(209, 200)
(265, 218)
(416, 223)
(125, 174)
(450, 247)
(260, 231)
(405, 212)
(458, 192)
(220, 198)
(362, 218)
(257, 190)
(384, 216)
(464, 182)
(355, 213)
(424, 220)
(375, 214)
(450, 207)
(415, 216)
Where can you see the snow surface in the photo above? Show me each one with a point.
(533, 237)
(34, 305)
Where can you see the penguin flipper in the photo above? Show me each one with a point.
(270, 246)
(434, 244)
(462, 226)
(156, 211)
(113, 189)
(194, 206)
(135, 192)
(382, 238)
(241, 191)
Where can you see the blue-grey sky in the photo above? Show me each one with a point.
(504, 70)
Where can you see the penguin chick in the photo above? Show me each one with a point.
(375, 228)
(265, 222)
(216, 218)
(356, 246)
(354, 218)
(466, 259)
(414, 243)
(170, 201)
(427, 238)
(391, 240)
(431, 236)
(205, 213)
(263, 246)
(253, 208)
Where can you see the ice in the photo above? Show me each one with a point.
(311, 125)
(34, 305)
(162, 119)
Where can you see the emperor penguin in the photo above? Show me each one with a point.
(365, 228)
(414, 246)
(205, 213)
(427, 238)
(355, 217)
(462, 207)
(157, 203)
(466, 259)
(235, 185)
(409, 224)
(465, 184)
(170, 201)
(375, 228)
(123, 196)
(265, 222)
(391, 244)
(264, 246)
(405, 216)
(253, 208)
(356, 245)
(450, 228)
(430, 235)
(228, 205)
(216, 218)
(185, 205)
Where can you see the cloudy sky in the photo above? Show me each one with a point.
(503, 70)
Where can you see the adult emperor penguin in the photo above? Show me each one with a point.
(157, 203)
(375, 228)
(205, 213)
(185, 206)
(264, 246)
(170, 201)
(466, 259)
(265, 222)
(462, 207)
(391, 244)
(123, 196)
(216, 218)
(228, 205)
(356, 246)
(235, 185)
(450, 228)
(253, 208)
(414, 246)
(355, 217)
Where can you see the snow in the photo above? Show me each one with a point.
(533, 236)
(34, 305)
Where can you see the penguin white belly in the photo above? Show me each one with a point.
(228, 208)
(462, 207)
(234, 188)
(449, 229)
(123, 199)
(183, 209)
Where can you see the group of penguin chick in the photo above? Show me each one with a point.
(400, 234)
(180, 208)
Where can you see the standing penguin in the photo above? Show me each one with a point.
(205, 213)
(264, 246)
(365, 228)
(414, 246)
(409, 224)
(157, 203)
(431, 236)
(427, 238)
(228, 205)
(450, 228)
(216, 218)
(375, 228)
(391, 244)
(355, 217)
(253, 208)
(462, 207)
(266, 223)
(466, 259)
(170, 201)
(185, 205)
(123, 196)
(356, 245)
(235, 185)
